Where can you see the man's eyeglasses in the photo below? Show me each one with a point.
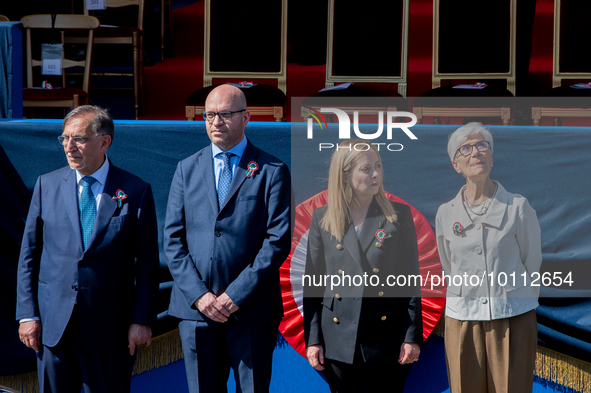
(466, 150)
(78, 140)
(224, 115)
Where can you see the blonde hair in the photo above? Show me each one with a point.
(340, 194)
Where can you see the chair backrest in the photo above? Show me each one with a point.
(4, 18)
(571, 59)
(119, 4)
(62, 23)
(364, 51)
(474, 40)
(245, 39)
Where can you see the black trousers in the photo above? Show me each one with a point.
(380, 374)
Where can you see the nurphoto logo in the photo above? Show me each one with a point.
(345, 126)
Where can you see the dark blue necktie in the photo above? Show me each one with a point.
(225, 178)
(87, 205)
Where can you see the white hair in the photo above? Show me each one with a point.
(461, 135)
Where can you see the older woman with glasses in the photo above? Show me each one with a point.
(488, 233)
(362, 334)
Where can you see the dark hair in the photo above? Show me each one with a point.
(100, 121)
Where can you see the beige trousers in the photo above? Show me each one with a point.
(495, 356)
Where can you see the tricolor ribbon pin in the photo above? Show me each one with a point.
(457, 228)
(119, 197)
(381, 235)
(252, 168)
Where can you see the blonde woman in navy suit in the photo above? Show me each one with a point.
(362, 334)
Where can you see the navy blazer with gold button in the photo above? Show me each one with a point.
(376, 316)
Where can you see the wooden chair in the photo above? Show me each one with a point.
(58, 97)
(471, 41)
(570, 62)
(246, 41)
(347, 57)
(4, 18)
(121, 35)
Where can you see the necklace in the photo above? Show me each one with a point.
(484, 207)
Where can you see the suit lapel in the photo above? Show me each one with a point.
(69, 192)
(352, 244)
(459, 214)
(498, 208)
(107, 206)
(373, 221)
(250, 154)
(205, 163)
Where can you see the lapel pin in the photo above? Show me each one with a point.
(252, 168)
(381, 235)
(119, 197)
(457, 227)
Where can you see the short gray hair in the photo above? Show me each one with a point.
(461, 135)
(100, 120)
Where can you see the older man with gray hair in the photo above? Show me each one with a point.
(88, 267)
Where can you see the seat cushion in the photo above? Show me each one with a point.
(258, 95)
(564, 97)
(52, 94)
(359, 91)
(448, 97)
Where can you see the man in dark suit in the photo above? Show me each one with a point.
(227, 232)
(88, 268)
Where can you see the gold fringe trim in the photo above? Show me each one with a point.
(26, 383)
(164, 350)
(552, 366)
(563, 370)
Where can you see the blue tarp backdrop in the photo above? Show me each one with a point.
(11, 75)
(550, 166)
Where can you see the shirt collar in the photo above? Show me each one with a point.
(100, 175)
(495, 214)
(237, 150)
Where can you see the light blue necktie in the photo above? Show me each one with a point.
(87, 205)
(225, 178)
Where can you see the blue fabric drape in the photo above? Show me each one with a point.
(14, 202)
(11, 70)
(550, 166)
